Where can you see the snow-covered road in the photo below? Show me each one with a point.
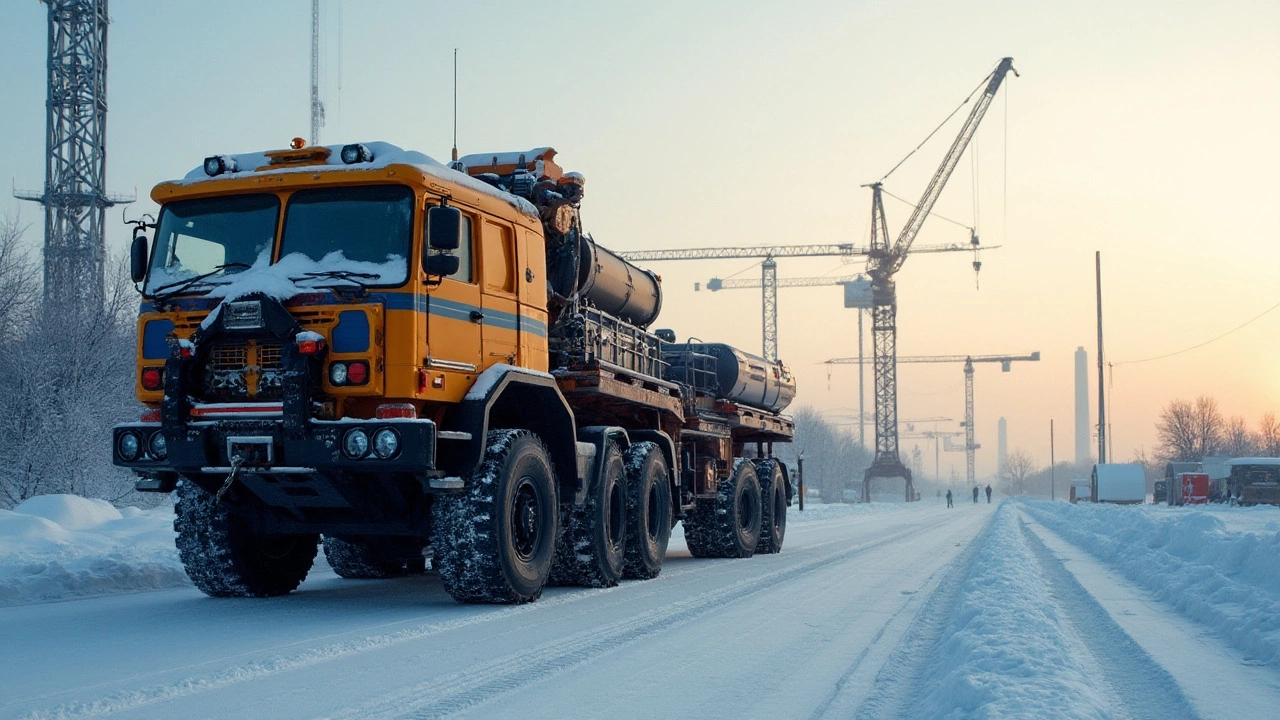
(878, 611)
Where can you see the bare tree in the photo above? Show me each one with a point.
(1269, 435)
(833, 460)
(1238, 440)
(1018, 466)
(17, 276)
(1189, 431)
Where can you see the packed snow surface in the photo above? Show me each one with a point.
(883, 610)
(61, 546)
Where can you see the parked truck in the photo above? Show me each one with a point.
(417, 361)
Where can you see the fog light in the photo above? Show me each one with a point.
(217, 164)
(128, 446)
(338, 374)
(355, 444)
(157, 446)
(356, 152)
(386, 443)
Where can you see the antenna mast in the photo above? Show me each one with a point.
(455, 105)
(317, 108)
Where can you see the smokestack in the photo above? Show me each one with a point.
(1002, 445)
(1083, 435)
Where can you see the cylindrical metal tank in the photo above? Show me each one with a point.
(616, 286)
(751, 380)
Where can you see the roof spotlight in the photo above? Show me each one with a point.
(356, 153)
(215, 165)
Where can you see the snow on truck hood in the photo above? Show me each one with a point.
(384, 154)
(277, 282)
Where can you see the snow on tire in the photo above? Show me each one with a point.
(773, 506)
(494, 541)
(648, 510)
(370, 558)
(590, 551)
(225, 558)
(727, 526)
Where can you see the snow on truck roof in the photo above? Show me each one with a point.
(1254, 461)
(384, 154)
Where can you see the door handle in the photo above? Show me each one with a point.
(477, 316)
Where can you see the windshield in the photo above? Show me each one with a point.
(365, 226)
(195, 237)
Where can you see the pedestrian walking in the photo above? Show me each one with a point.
(988, 494)
(949, 500)
(975, 494)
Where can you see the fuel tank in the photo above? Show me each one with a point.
(744, 378)
(616, 286)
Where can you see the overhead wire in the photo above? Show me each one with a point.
(1241, 326)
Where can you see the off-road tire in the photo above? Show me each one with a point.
(591, 549)
(372, 558)
(773, 506)
(727, 526)
(484, 554)
(225, 558)
(648, 510)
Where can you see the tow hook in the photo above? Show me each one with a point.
(236, 462)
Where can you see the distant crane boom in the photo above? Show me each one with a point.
(883, 264)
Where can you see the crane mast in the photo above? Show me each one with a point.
(883, 263)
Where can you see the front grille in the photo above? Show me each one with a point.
(244, 371)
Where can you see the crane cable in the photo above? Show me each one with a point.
(980, 86)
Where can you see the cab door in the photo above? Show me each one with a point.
(453, 317)
(500, 330)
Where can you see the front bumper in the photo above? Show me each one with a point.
(207, 447)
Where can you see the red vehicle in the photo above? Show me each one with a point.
(1193, 488)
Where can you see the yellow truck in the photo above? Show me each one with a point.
(419, 362)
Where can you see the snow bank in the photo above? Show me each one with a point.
(1228, 580)
(62, 546)
(1006, 650)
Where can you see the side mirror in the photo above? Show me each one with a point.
(442, 265)
(444, 227)
(138, 258)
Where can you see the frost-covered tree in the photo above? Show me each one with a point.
(69, 378)
(1189, 431)
(1238, 440)
(1269, 435)
(833, 460)
(1018, 466)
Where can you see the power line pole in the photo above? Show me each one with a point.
(1102, 399)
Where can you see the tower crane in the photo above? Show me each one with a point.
(883, 263)
(969, 443)
(769, 282)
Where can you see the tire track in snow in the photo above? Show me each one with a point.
(1146, 690)
(464, 689)
(130, 699)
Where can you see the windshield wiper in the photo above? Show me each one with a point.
(351, 276)
(181, 286)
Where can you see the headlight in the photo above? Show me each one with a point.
(355, 444)
(338, 374)
(157, 445)
(386, 443)
(356, 152)
(128, 446)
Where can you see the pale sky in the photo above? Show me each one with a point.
(1143, 129)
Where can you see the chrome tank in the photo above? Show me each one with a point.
(750, 379)
(616, 286)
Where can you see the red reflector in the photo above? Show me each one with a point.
(357, 373)
(422, 380)
(310, 347)
(396, 410)
(152, 379)
(150, 416)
